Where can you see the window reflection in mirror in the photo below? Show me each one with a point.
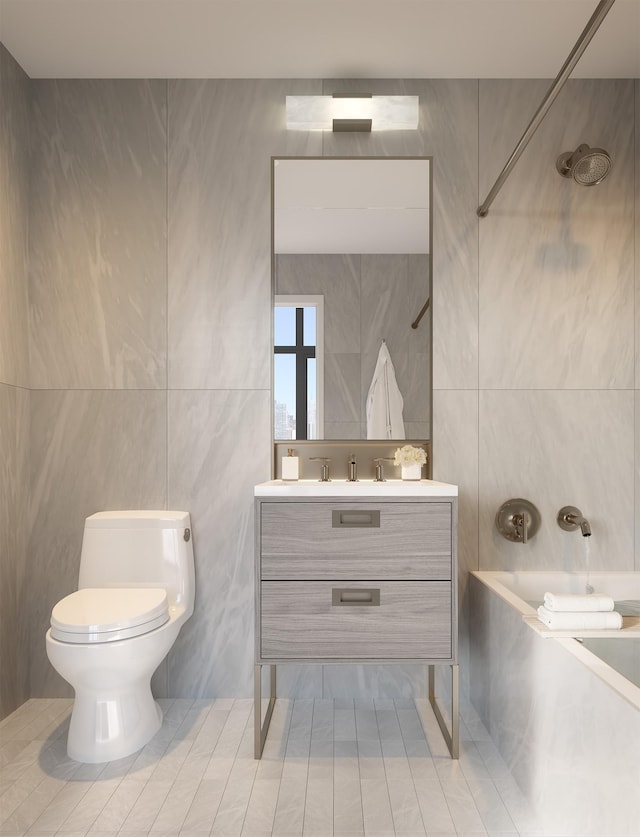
(298, 330)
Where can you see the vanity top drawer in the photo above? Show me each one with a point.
(355, 540)
(337, 528)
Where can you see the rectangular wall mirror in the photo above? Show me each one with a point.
(352, 273)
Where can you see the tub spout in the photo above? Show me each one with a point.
(583, 523)
(570, 518)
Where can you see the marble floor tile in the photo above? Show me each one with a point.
(330, 768)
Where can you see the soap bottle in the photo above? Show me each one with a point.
(290, 466)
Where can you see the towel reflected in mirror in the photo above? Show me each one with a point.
(384, 401)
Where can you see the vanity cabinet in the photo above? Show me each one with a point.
(356, 579)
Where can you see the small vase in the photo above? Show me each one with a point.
(412, 472)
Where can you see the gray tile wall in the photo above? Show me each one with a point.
(14, 394)
(556, 327)
(98, 209)
(90, 450)
(150, 330)
(98, 323)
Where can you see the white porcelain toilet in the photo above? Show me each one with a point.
(136, 589)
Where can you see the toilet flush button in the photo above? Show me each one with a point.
(187, 534)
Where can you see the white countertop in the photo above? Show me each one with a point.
(361, 488)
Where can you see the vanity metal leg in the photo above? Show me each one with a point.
(261, 729)
(452, 738)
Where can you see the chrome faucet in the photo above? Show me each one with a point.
(378, 463)
(570, 518)
(324, 471)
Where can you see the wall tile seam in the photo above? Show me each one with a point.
(167, 473)
(140, 389)
(476, 492)
(636, 256)
(218, 389)
(15, 386)
(30, 188)
(636, 210)
(535, 389)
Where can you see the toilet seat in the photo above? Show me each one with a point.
(108, 614)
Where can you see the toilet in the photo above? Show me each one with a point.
(136, 589)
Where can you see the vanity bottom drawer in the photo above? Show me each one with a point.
(356, 620)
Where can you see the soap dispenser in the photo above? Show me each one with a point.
(290, 466)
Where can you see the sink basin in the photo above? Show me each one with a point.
(361, 488)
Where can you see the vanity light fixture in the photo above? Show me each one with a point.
(352, 113)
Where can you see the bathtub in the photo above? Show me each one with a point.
(566, 722)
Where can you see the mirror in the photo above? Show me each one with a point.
(351, 260)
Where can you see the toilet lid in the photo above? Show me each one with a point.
(107, 614)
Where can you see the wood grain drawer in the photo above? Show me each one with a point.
(302, 620)
(359, 540)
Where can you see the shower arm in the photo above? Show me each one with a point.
(574, 56)
(423, 311)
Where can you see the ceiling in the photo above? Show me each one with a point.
(319, 39)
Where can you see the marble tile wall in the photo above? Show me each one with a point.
(14, 228)
(14, 597)
(219, 448)
(557, 448)
(150, 335)
(14, 394)
(367, 298)
(97, 290)
(97, 300)
(91, 450)
(556, 261)
(556, 326)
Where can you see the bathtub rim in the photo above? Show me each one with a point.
(602, 670)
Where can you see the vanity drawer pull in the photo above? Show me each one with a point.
(355, 519)
(360, 597)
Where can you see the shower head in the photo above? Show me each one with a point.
(587, 166)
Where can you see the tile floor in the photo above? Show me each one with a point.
(339, 768)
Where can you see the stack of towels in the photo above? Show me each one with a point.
(593, 611)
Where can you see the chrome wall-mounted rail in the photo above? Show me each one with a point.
(574, 56)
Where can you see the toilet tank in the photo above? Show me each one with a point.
(140, 549)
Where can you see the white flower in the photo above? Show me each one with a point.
(408, 455)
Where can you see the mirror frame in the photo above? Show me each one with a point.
(420, 315)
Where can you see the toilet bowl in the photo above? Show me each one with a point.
(136, 590)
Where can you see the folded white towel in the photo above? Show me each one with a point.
(580, 621)
(572, 603)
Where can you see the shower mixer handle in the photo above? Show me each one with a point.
(520, 523)
(517, 520)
